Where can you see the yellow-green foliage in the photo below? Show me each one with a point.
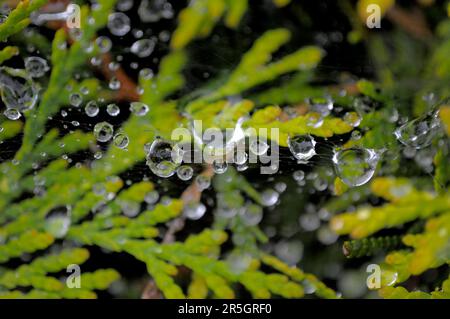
(99, 199)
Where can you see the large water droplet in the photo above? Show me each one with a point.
(36, 66)
(419, 132)
(302, 147)
(17, 89)
(355, 166)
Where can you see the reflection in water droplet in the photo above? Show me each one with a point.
(143, 48)
(91, 109)
(103, 131)
(302, 147)
(121, 140)
(17, 89)
(355, 166)
(104, 44)
(12, 114)
(113, 109)
(163, 159)
(419, 132)
(139, 108)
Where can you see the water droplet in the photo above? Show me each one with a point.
(309, 221)
(240, 157)
(12, 114)
(419, 132)
(163, 159)
(121, 140)
(302, 147)
(36, 66)
(146, 74)
(154, 10)
(326, 236)
(114, 84)
(103, 131)
(203, 181)
(130, 208)
(17, 89)
(352, 119)
(143, 48)
(185, 172)
(139, 108)
(113, 109)
(151, 197)
(291, 252)
(355, 166)
(98, 155)
(220, 167)
(91, 109)
(57, 221)
(321, 106)
(124, 5)
(194, 210)
(75, 99)
(269, 197)
(298, 175)
(104, 44)
(314, 120)
(258, 148)
(119, 24)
